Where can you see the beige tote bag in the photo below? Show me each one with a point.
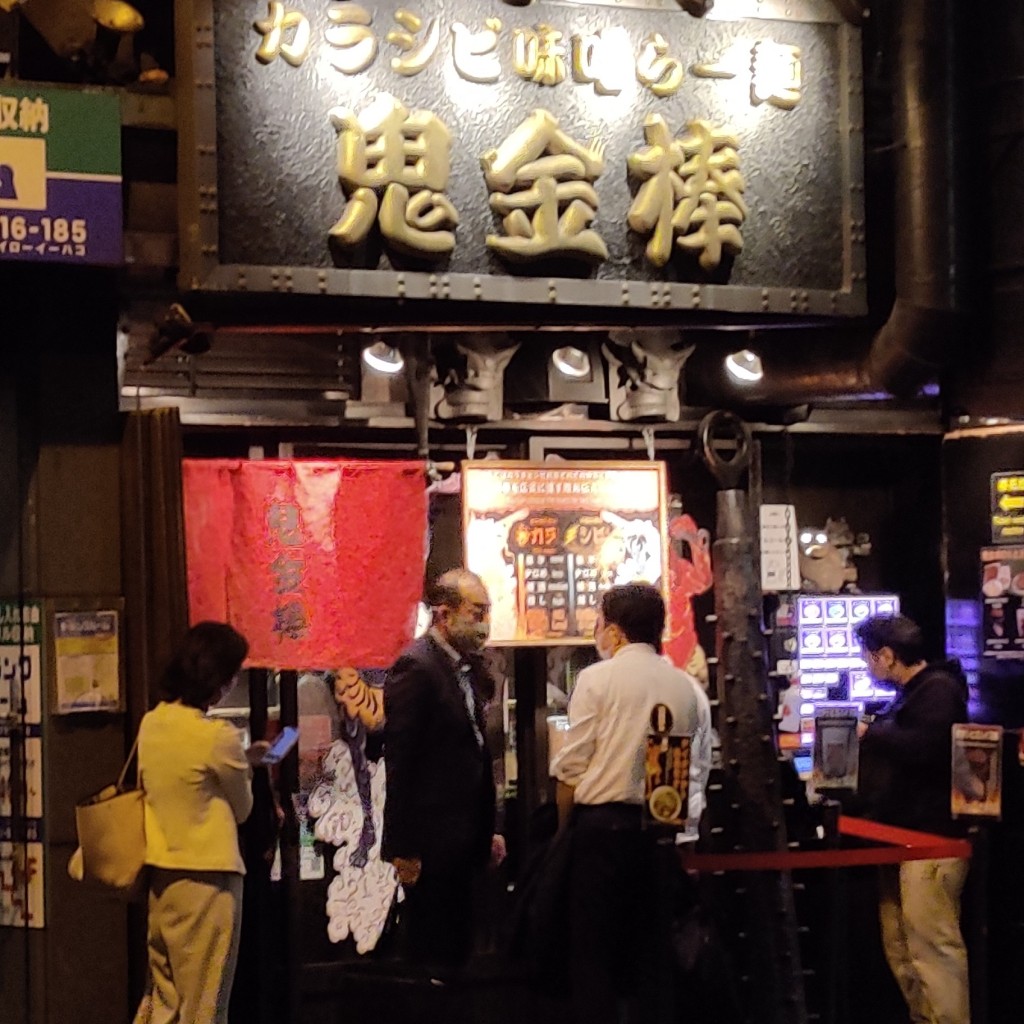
(111, 827)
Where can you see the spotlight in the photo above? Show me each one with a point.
(573, 362)
(383, 358)
(745, 366)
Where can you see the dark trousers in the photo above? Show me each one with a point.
(619, 919)
(437, 920)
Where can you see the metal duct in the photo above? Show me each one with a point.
(918, 338)
(992, 382)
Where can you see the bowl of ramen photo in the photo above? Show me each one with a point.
(665, 803)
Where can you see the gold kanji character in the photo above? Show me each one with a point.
(273, 29)
(540, 168)
(692, 182)
(405, 157)
(9, 114)
(417, 51)
(777, 75)
(655, 202)
(709, 216)
(34, 115)
(538, 54)
(603, 59)
(474, 53)
(661, 73)
(350, 33)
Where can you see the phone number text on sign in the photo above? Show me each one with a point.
(56, 236)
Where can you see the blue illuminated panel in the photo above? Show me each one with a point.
(827, 648)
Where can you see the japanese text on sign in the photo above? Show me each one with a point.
(547, 541)
(286, 535)
(543, 54)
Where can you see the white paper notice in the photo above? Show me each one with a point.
(780, 551)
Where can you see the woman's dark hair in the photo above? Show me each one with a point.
(204, 663)
(901, 635)
(638, 609)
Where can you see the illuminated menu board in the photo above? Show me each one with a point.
(547, 540)
(827, 644)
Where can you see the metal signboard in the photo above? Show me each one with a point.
(599, 155)
(60, 175)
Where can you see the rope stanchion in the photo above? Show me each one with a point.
(895, 845)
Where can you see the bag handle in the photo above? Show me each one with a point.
(124, 770)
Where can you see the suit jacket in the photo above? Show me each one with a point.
(440, 802)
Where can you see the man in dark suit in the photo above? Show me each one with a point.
(440, 807)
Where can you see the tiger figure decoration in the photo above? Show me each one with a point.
(361, 710)
(348, 806)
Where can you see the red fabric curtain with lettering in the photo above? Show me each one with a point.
(318, 563)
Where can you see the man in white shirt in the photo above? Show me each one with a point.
(619, 911)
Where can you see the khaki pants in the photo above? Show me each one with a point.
(919, 911)
(195, 922)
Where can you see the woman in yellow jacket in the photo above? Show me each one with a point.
(196, 776)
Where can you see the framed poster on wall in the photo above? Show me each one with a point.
(548, 539)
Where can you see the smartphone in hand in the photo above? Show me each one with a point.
(286, 739)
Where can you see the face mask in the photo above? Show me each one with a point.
(468, 637)
(604, 650)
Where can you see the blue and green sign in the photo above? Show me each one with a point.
(60, 176)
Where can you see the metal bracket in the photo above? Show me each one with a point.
(648, 435)
(728, 472)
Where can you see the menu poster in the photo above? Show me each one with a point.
(836, 752)
(666, 772)
(547, 539)
(1002, 589)
(977, 789)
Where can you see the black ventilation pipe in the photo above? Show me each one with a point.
(918, 338)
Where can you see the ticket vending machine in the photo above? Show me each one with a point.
(825, 665)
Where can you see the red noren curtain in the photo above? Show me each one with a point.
(319, 563)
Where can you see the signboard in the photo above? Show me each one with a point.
(568, 153)
(780, 549)
(666, 772)
(87, 661)
(977, 771)
(21, 766)
(1007, 507)
(547, 540)
(60, 182)
(1002, 590)
(836, 751)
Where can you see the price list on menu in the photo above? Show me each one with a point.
(547, 541)
(558, 573)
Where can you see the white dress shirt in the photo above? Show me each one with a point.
(609, 721)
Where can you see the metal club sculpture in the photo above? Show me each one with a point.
(750, 817)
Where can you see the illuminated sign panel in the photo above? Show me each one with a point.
(471, 149)
(547, 540)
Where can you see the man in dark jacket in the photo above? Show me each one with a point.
(905, 781)
(439, 811)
